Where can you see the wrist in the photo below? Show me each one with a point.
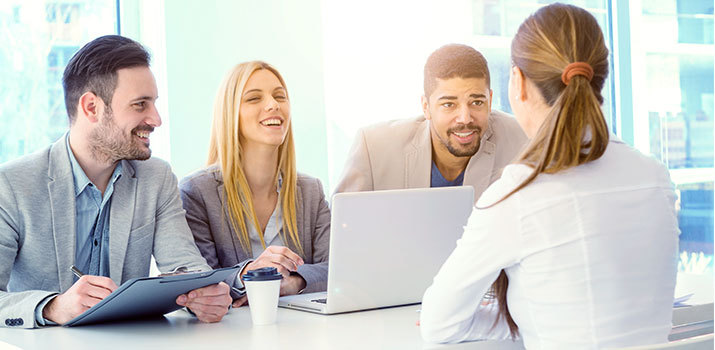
(48, 312)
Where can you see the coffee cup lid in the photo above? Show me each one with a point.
(263, 274)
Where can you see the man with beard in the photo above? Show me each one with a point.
(95, 200)
(460, 140)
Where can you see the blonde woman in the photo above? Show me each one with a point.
(250, 203)
(578, 238)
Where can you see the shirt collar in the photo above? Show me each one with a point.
(81, 181)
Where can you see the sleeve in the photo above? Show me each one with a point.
(198, 221)
(357, 175)
(316, 274)
(39, 319)
(17, 309)
(452, 307)
(173, 243)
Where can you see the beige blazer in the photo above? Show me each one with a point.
(398, 154)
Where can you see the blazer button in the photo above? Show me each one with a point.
(7, 321)
(20, 322)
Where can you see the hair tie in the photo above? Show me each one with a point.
(576, 68)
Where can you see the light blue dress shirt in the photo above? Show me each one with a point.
(92, 220)
(92, 226)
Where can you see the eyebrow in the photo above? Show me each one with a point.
(455, 97)
(144, 98)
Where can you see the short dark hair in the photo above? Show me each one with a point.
(454, 60)
(94, 68)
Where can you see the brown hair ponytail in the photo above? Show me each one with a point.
(545, 48)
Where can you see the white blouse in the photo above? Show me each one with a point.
(590, 252)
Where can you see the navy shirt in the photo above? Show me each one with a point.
(437, 180)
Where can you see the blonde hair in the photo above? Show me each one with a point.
(575, 132)
(225, 151)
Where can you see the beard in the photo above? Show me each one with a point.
(459, 150)
(108, 143)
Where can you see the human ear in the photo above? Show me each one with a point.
(518, 84)
(89, 106)
(425, 108)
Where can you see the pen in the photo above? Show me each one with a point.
(76, 271)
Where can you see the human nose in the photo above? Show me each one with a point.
(153, 118)
(463, 115)
(272, 104)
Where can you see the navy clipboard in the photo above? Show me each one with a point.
(150, 296)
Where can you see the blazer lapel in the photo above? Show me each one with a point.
(480, 168)
(62, 205)
(121, 216)
(237, 247)
(304, 235)
(418, 158)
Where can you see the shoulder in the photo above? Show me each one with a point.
(152, 170)
(512, 176)
(396, 130)
(211, 174)
(27, 169)
(310, 186)
(505, 126)
(28, 164)
(644, 168)
(201, 179)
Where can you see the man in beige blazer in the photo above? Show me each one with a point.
(460, 140)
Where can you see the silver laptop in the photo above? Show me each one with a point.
(386, 246)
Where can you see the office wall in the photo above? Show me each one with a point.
(204, 39)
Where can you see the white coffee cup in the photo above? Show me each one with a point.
(263, 287)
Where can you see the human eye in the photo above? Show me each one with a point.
(477, 103)
(448, 104)
(139, 105)
(280, 97)
(254, 98)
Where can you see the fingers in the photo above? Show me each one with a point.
(100, 281)
(209, 303)
(287, 254)
(282, 258)
(90, 290)
(240, 302)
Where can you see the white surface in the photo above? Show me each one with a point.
(392, 328)
(263, 300)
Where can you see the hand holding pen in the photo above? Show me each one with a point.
(85, 293)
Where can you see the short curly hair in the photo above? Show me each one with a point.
(454, 60)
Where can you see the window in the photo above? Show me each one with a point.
(659, 97)
(37, 39)
(672, 53)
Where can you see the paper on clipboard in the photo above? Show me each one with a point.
(150, 296)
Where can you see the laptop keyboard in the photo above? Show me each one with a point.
(320, 301)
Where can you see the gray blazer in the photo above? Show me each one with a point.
(398, 154)
(203, 195)
(37, 228)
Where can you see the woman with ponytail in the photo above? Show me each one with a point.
(576, 245)
(250, 204)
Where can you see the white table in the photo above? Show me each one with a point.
(392, 328)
